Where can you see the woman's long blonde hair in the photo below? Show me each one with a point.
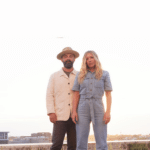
(84, 67)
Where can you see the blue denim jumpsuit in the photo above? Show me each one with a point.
(91, 108)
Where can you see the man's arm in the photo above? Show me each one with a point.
(50, 100)
(108, 109)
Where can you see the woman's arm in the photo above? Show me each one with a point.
(75, 102)
(108, 109)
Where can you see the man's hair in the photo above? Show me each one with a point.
(84, 67)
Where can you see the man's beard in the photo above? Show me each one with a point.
(68, 64)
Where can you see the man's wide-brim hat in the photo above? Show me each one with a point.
(68, 50)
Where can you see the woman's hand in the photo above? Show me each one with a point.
(107, 113)
(106, 117)
(75, 102)
(74, 117)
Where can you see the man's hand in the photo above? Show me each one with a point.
(53, 117)
(74, 117)
(106, 117)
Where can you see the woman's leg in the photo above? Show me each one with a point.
(100, 128)
(83, 126)
(100, 132)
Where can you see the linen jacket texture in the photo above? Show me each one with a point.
(59, 95)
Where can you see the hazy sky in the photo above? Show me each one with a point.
(33, 32)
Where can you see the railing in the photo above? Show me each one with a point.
(112, 145)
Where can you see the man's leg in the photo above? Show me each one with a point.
(71, 135)
(59, 130)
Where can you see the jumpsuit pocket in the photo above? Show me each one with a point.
(82, 107)
(99, 107)
(99, 83)
(85, 82)
(99, 87)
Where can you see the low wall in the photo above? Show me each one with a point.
(112, 145)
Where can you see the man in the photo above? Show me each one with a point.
(59, 101)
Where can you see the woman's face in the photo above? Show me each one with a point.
(90, 61)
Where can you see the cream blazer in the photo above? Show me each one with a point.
(60, 95)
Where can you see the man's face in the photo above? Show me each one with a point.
(68, 60)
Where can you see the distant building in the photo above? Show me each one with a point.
(41, 137)
(4, 137)
(39, 134)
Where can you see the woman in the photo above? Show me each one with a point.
(89, 86)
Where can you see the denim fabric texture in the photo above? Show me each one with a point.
(91, 108)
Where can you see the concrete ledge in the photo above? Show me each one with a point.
(112, 145)
(29, 146)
